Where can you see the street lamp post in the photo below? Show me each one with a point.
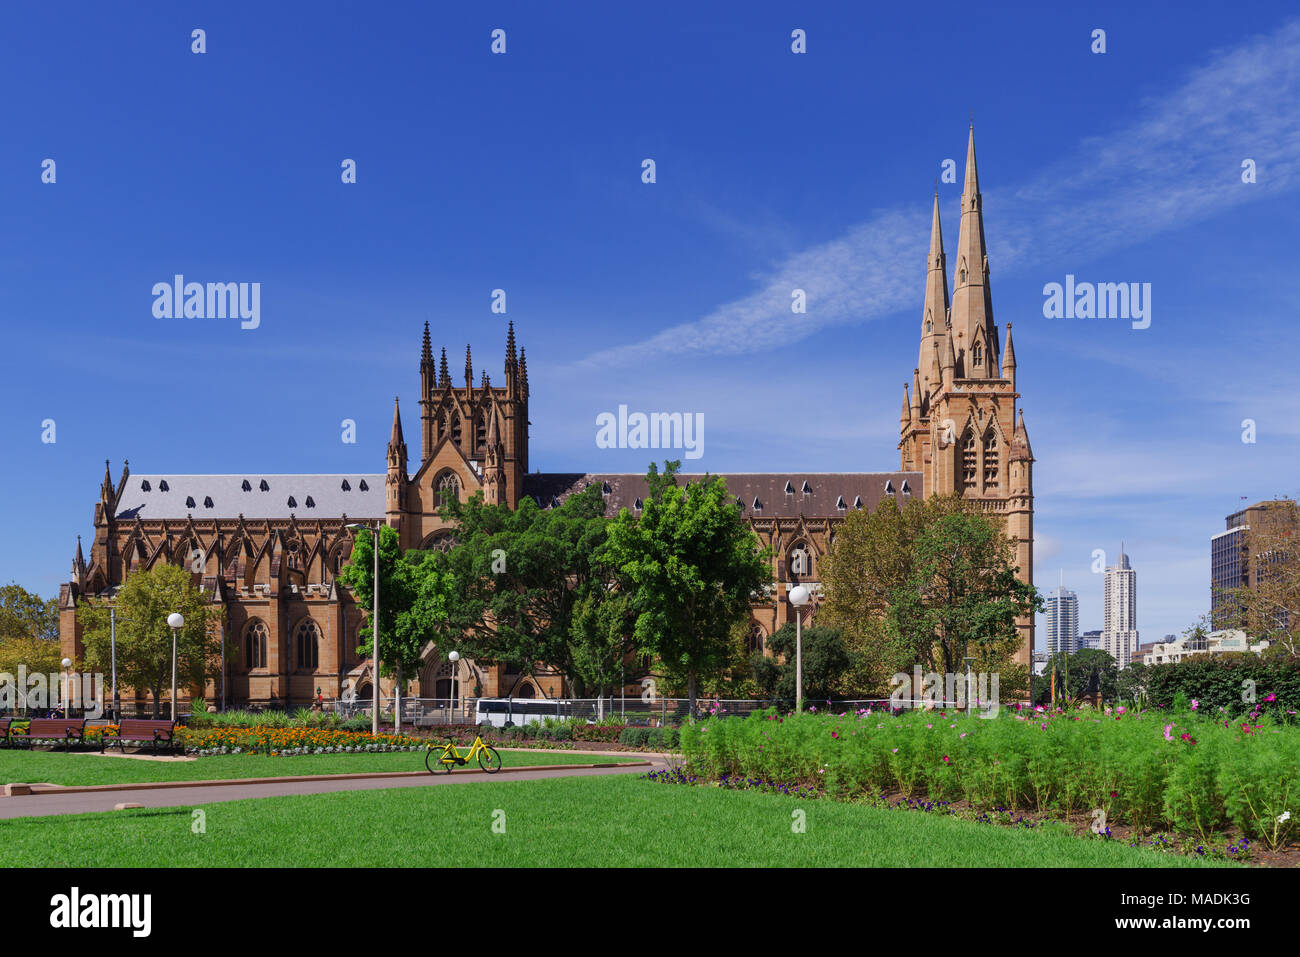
(175, 621)
(374, 628)
(67, 687)
(112, 644)
(454, 658)
(799, 596)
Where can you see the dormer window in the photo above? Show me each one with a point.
(907, 489)
(605, 489)
(839, 503)
(636, 506)
(293, 502)
(310, 502)
(144, 486)
(264, 486)
(857, 501)
(889, 487)
(740, 502)
(363, 486)
(806, 489)
(189, 501)
(207, 501)
(758, 506)
(162, 486)
(345, 486)
(246, 485)
(789, 488)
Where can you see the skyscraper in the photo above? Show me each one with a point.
(1119, 634)
(1062, 621)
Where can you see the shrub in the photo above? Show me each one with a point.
(1194, 773)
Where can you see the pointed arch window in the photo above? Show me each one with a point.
(255, 637)
(977, 355)
(992, 476)
(447, 487)
(455, 429)
(800, 561)
(306, 641)
(480, 432)
(969, 463)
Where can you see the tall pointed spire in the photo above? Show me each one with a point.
(934, 311)
(492, 433)
(523, 373)
(510, 346)
(396, 437)
(1009, 359)
(905, 417)
(972, 304)
(426, 352)
(397, 448)
(1020, 451)
(444, 377)
(469, 368)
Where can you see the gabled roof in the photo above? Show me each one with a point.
(826, 490)
(252, 495)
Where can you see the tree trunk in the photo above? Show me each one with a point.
(690, 692)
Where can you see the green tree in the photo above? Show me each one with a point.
(1074, 673)
(144, 641)
(690, 567)
(27, 615)
(29, 631)
(825, 662)
(532, 588)
(415, 593)
(929, 583)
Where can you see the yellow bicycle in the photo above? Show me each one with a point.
(444, 757)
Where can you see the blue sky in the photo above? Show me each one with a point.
(774, 170)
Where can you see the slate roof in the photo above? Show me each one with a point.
(228, 496)
(825, 489)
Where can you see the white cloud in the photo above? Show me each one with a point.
(1179, 161)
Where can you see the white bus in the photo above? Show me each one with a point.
(499, 712)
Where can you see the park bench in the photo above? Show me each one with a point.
(141, 731)
(8, 726)
(68, 730)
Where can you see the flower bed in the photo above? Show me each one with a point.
(1193, 773)
(291, 741)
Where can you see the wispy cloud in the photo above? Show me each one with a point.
(1177, 162)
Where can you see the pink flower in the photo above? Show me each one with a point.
(945, 759)
(1168, 736)
(895, 750)
(963, 734)
(1271, 697)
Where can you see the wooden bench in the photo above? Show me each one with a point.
(68, 730)
(142, 731)
(8, 726)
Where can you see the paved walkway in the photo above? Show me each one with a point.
(84, 801)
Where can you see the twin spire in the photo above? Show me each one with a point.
(959, 333)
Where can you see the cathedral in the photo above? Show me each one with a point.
(269, 548)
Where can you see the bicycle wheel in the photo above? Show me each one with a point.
(489, 760)
(436, 759)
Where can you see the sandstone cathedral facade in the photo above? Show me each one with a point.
(268, 548)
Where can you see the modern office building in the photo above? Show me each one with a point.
(1062, 615)
(1230, 566)
(1119, 634)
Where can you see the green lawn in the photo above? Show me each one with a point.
(617, 820)
(60, 768)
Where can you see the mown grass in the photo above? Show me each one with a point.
(82, 769)
(612, 821)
